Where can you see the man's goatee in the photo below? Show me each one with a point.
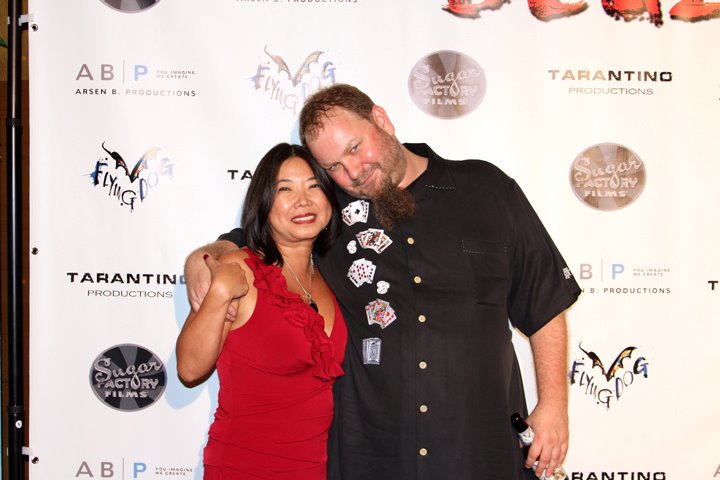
(393, 205)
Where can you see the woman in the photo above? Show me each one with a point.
(278, 358)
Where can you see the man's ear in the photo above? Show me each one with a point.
(381, 119)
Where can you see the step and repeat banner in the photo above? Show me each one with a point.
(148, 118)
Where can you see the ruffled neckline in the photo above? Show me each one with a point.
(269, 278)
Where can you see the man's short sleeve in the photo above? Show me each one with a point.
(542, 284)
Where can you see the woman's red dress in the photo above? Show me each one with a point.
(275, 403)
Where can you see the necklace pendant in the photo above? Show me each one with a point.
(310, 301)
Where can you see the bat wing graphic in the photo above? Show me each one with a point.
(305, 67)
(595, 359)
(617, 364)
(282, 66)
(142, 163)
(119, 162)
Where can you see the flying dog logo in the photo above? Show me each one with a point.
(127, 185)
(627, 10)
(613, 380)
(289, 89)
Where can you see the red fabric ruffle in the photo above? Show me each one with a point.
(270, 279)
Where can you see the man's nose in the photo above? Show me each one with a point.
(354, 168)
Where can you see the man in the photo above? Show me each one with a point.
(435, 257)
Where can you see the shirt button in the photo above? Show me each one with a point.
(410, 241)
(423, 408)
(423, 452)
(422, 365)
(417, 279)
(422, 318)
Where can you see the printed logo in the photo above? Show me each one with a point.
(126, 285)
(130, 185)
(616, 82)
(627, 10)
(133, 80)
(134, 468)
(607, 383)
(130, 6)
(128, 377)
(289, 87)
(447, 84)
(694, 11)
(607, 176)
(544, 10)
(240, 174)
(625, 474)
(616, 278)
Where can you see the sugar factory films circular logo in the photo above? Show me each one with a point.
(447, 84)
(128, 377)
(130, 6)
(607, 176)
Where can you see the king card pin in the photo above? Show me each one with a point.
(374, 239)
(380, 312)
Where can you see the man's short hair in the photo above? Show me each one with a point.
(316, 107)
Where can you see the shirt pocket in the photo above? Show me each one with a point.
(487, 266)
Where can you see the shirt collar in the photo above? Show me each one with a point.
(436, 176)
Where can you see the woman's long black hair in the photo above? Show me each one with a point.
(261, 194)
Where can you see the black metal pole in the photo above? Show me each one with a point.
(16, 409)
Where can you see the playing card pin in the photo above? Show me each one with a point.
(355, 212)
(371, 351)
(380, 312)
(374, 239)
(361, 271)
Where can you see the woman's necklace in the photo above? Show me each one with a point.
(310, 300)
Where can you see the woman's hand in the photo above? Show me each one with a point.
(227, 278)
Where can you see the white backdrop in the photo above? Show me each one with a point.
(193, 89)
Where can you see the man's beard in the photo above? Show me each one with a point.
(392, 205)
